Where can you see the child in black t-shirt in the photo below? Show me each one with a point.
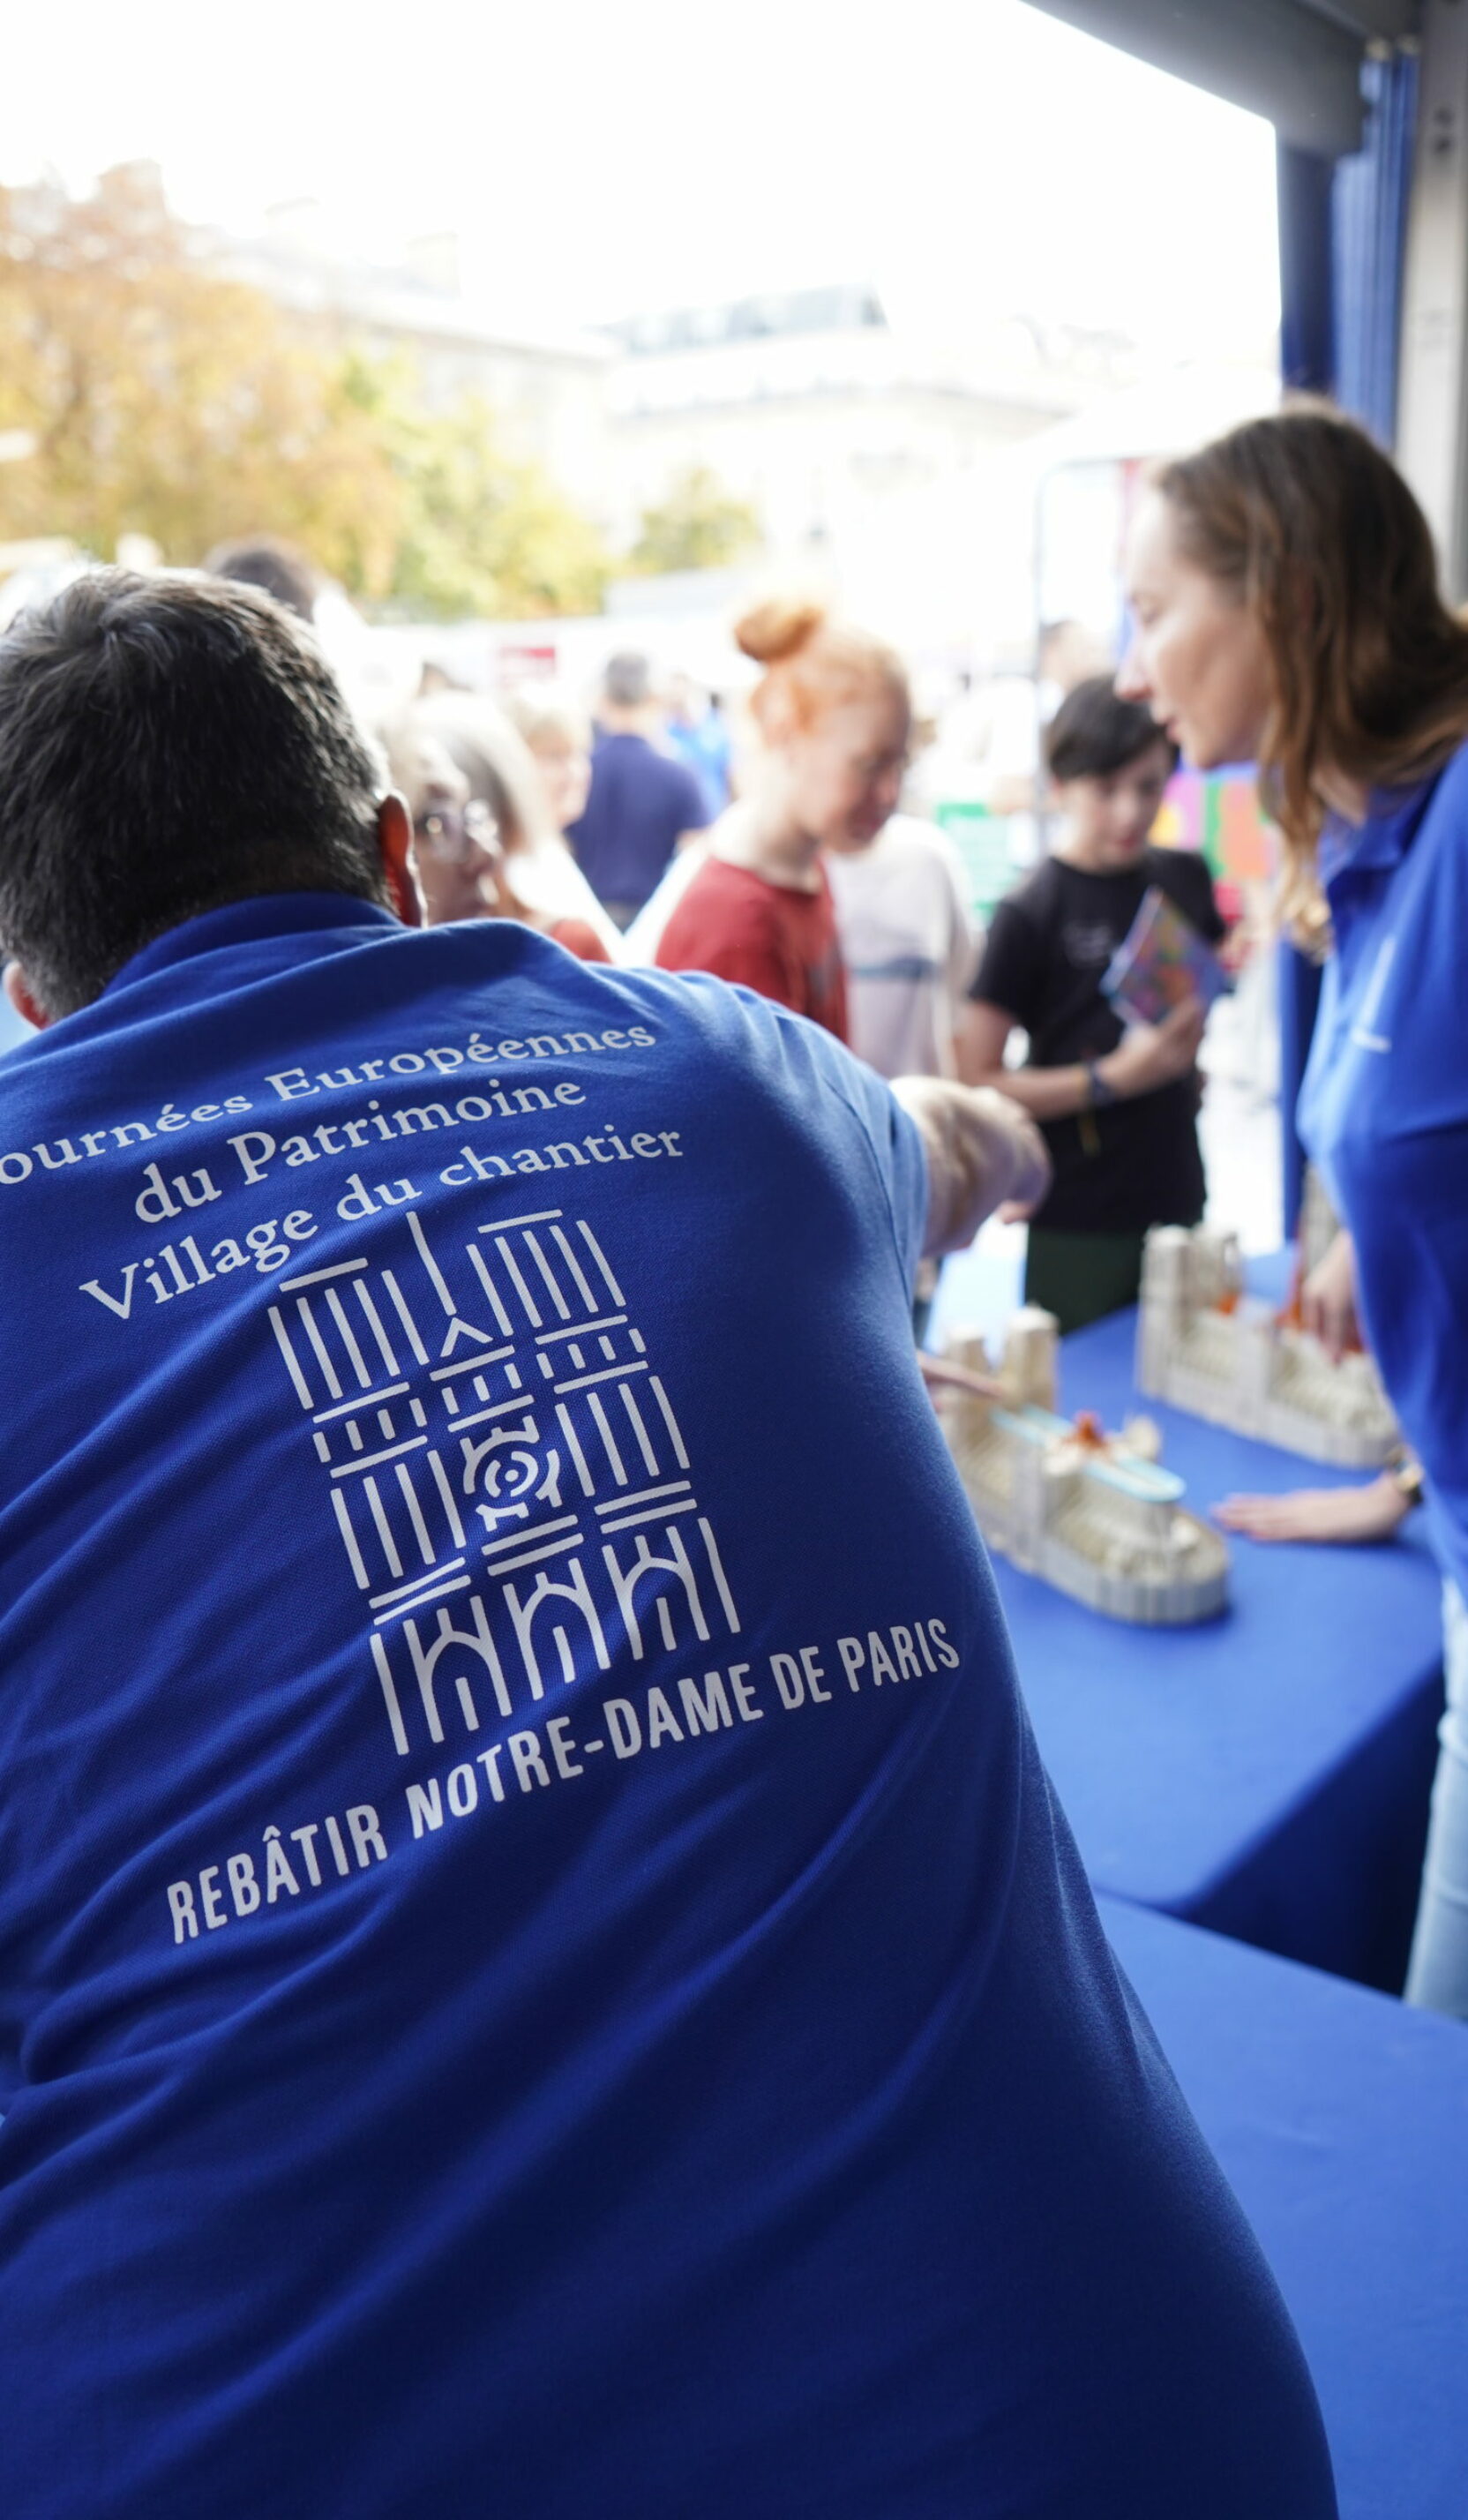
(1118, 1110)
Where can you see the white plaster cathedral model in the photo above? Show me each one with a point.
(1093, 1514)
(1206, 1346)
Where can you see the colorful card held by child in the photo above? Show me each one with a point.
(1160, 961)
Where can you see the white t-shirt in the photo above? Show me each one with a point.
(646, 933)
(908, 947)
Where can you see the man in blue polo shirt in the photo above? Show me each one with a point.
(640, 804)
(541, 1972)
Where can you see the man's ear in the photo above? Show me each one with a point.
(395, 842)
(22, 997)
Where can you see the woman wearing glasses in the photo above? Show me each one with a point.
(485, 842)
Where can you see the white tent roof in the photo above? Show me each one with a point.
(1167, 415)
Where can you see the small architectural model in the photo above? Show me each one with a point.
(1091, 1513)
(1317, 1225)
(1205, 1345)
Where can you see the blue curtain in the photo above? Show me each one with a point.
(1342, 238)
(1368, 238)
(1307, 261)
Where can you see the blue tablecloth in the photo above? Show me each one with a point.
(1267, 1773)
(1341, 2121)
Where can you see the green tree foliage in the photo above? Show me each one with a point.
(481, 534)
(698, 524)
(165, 398)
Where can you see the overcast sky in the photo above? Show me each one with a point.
(603, 156)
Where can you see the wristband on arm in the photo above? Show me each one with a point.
(1098, 1093)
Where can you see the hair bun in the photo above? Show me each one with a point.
(778, 627)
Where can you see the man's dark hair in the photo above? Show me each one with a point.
(277, 568)
(627, 680)
(167, 746)
(1093, 734)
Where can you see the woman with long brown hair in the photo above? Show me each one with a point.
(1287, 609)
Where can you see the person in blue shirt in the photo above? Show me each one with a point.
(696, 730)
(540, 1970)
(1287, 607)
(641, 804)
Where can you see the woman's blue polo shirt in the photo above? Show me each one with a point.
(1384, 1113)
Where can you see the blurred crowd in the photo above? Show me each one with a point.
(652, 823)
(783, 836)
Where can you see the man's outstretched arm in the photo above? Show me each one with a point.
(983, 1153)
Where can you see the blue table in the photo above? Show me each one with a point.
(1267, 1774)
(1340, 2120)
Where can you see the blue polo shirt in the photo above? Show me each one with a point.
(704, 748)
(638, 806)
(539, 1971)
(1384, 1114)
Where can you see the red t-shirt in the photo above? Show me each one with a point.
(740, 926)
(580, 938)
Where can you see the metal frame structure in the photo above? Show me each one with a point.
(1296, 63)
(1433, 410)
(1300, 64)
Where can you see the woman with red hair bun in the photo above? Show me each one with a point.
(833, 712)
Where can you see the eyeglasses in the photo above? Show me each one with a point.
(458, 833)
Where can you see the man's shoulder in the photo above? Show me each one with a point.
(755, 1057)
(675, 780)
(627, 764)
(347, 980)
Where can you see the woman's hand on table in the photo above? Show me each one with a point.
(941, 1374)
(1371, 1513)
(1327, 1300)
